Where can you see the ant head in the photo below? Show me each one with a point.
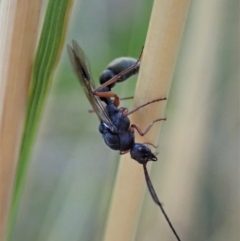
(142, 154)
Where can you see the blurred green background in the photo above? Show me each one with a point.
(72, 172)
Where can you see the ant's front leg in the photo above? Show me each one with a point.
(142, 133)
(123, 152)
(150, 144)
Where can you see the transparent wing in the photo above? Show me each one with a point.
(81, 68)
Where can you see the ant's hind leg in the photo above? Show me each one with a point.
(142, 133)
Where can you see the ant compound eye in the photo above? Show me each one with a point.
(141, 149)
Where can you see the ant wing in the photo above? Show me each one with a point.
(81, 68)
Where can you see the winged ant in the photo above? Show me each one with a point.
(115, 126)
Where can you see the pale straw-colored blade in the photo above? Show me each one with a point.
(161, 49)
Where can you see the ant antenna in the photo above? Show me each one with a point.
(156, 200)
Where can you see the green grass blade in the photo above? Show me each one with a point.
(48, 52)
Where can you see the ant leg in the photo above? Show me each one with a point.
(127, 98)
(108, 94)
(117, 77)
(142, 133)
(139, 107)
(123, 110)
(123, 152)
(148, 143)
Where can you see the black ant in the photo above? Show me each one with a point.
(115, 126)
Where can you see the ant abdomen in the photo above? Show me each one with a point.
(116, 67)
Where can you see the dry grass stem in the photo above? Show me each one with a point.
(160, 53)
(18, 26)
